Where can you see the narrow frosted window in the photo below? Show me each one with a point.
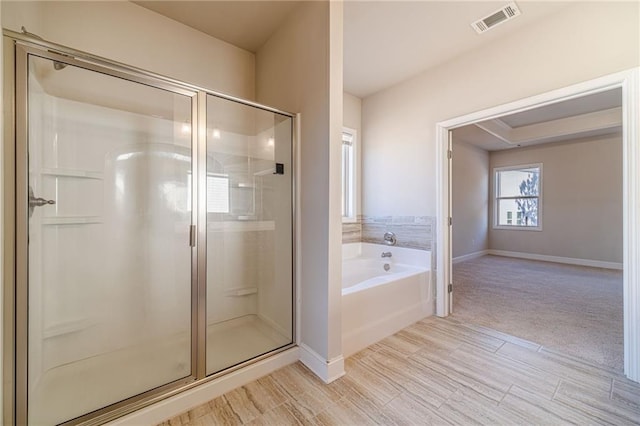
(348, 178)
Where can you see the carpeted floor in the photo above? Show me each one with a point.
(572, 309)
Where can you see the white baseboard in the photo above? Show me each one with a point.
(170, 407)
(470, 256)
(557, 259)
(328, 371)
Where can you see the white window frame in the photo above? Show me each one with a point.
(496, 198)
(350, 186)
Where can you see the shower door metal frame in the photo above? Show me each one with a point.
(23, 52)
(17, 48)
(9, 234)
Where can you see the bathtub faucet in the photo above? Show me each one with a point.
(386, 254)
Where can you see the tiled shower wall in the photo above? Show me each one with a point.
(411, 231)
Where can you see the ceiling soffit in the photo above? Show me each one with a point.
(592, 115)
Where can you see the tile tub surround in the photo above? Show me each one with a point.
(411, 231)
(436, 371)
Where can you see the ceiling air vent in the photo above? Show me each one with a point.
(509, 11)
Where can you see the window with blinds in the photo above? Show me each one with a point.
(217, 193)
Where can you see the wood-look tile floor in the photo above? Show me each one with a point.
(437, 371)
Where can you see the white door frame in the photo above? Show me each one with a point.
(628, 81)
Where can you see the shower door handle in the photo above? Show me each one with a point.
(37, 202)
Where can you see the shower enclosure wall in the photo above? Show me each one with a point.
(153, 235)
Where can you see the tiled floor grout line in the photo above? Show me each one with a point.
(505, 394)
(555, 392)
(606, 371)
(611, 390)
(562, 376)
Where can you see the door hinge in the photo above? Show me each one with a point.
(450, 221)
(449, 154)
(450, 288)
(192, 235)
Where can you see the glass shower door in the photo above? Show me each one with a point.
(249, 252)
(109, 260)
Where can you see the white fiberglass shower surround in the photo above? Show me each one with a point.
(153, 244)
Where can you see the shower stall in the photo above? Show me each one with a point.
(153, 244)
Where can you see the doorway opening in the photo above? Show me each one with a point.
(537, 229)
(626, 82)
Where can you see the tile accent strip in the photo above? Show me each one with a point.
(411, 231)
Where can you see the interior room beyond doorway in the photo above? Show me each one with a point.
(543, 188)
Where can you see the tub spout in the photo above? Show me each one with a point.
(386, 254)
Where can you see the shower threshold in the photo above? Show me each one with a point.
(234, 341)
(88, 383)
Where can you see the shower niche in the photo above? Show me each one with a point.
(136, 196)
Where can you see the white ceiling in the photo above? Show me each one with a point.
(385, 42)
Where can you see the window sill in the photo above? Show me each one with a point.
(517, 228)
(349, 220)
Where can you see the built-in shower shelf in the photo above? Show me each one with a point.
(243, 291)
(242, 226)
(83, 174)
(71, 220)
(67, 327)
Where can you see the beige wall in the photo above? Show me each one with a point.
(127, 33)
(581, 42)
(300, 69)
(352, 112)
(581, 200)
(470, 198)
